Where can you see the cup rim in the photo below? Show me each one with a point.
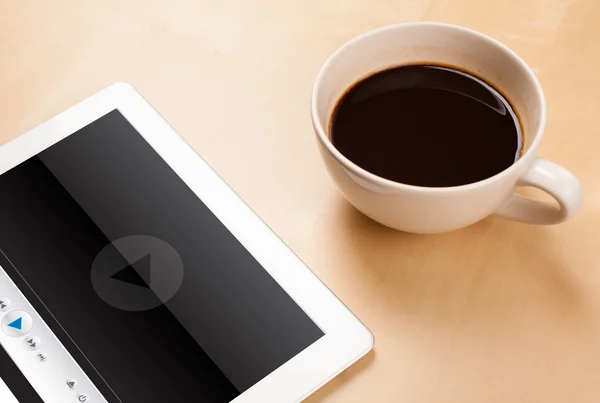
(363, 173)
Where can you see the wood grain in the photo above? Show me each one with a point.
(498, 312)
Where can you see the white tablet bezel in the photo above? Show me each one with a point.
(346, 338)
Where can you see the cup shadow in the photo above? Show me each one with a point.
(487, 288)
(500, 252)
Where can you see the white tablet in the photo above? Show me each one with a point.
(130, 272)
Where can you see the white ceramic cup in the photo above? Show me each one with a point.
(430, 210)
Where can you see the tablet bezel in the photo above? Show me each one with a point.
(346, 338)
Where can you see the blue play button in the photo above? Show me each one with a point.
(17, 324)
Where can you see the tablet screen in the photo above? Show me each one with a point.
(148, 291)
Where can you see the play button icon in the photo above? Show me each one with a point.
(140, 275)
(137, 273)
(17, 323)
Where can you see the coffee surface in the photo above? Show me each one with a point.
(426, 125)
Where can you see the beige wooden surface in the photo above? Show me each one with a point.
(498, 312)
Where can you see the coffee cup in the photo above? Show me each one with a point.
(421, 209)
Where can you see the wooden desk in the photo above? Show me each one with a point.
(498, 312)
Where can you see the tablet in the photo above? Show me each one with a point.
(130, 272)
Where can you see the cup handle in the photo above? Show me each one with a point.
(553, 179)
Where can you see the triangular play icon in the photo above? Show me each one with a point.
(137, 273)
(17, 324)
(2, 306)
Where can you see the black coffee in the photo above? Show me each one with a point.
(427, 125)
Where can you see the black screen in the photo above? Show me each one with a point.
(146, 288)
